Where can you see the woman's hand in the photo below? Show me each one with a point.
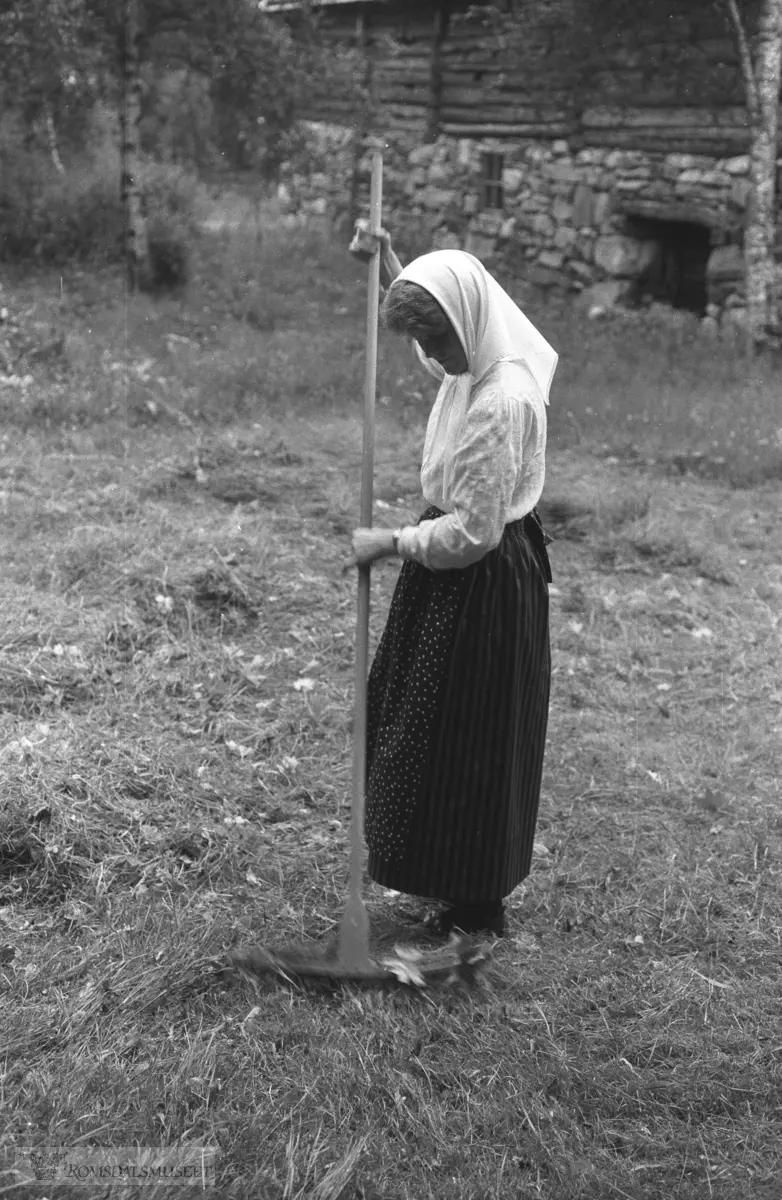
(364, 244)
(369, 545)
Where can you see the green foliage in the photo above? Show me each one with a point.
(48, 217)
(171, 195)
(50, 64)
(262, 77)
(169, 260)
(178, 119)
(224, 85)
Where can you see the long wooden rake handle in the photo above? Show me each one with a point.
(354, 930)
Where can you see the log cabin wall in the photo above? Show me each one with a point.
(615, 140)
(436, 59)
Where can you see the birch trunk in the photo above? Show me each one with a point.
(51, 137)
(762, 84)
(136, 240)
(760, 231)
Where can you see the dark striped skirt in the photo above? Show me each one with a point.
(456, 723)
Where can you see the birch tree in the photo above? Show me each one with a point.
(762, 80)
(47, 71)
(136, 237)
(258, 75)
(58, 57)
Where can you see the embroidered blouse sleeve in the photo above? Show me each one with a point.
(487, 464)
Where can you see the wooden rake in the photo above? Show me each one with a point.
(461, 960)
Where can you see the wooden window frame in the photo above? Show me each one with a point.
(490, 182)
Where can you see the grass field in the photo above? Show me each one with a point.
(178, 482)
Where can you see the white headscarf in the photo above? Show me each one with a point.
(490, 327)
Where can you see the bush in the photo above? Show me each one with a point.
(172, 196)
(169, 258)
(55, 220)
(52, 218)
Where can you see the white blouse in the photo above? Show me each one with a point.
(483, 467)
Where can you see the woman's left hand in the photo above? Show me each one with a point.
(369, 545)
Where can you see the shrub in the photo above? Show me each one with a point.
(169, 258)
(172, 196)
(48, 217)
(51, 218)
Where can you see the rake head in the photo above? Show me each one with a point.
(460, 962)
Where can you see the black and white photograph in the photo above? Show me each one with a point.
(391, 599)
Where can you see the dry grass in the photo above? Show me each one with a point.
(175, 749)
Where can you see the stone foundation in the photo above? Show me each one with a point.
(595, 221)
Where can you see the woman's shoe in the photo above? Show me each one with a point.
(468, 918)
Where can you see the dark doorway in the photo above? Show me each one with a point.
(677, 276)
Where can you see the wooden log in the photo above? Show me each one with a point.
(521, 82)
(399, 86)
(336, 102)
(673, 210)
(478, 77)
(456, 62)
(548, 131)
(492, 115)
(519, 113)
(402, 62)
(343, 103)
(532, 54)
(389, 25)
(460, 66)
(609, 117)
(466, 97)
(664, 141)
(397, 55)
(479, 82)
(412, 111)
(394, 52)
(541, 96)
(704, 133)
(471, 33)
(720, 87)
(708, 136)
(403, 72)
(408, 95)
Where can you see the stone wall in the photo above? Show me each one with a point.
(578, 220)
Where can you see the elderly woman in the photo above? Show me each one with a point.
(459, 688)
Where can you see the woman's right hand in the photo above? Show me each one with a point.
(365, 242)
(363, 246)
